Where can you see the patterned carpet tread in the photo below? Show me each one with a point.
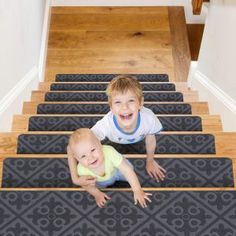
(181, 172)
(101, 87)
(67, 213)
(166, 144)
(101, 96)
(109, 77)
(66, 123)
(88, 108)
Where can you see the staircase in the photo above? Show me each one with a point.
(37, 196)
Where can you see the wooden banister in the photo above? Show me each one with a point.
(197, 6)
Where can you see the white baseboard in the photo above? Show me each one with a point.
(219, 102)
(12, 102)
(44, 40)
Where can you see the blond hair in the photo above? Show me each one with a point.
(123, 83)
(78, 135)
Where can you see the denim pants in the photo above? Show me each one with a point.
(118, 176)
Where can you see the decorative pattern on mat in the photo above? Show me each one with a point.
(66, 123)
(67, 213)
(166, 144)
(100, 87)
(109, 77)
(181, 172)
(101, 96)
(183, 108)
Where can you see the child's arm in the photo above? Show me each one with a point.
(152, 167)
(78, 180)
(139, 195)
(100, 197)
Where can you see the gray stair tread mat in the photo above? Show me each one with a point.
(166, 144)
(71, 123)
(101, 96)
(67, 213)
(89, 108)
(181, 172)
(101, 87)
(109, 77)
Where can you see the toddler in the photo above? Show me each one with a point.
(102, 164)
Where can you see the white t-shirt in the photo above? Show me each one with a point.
(107, 127)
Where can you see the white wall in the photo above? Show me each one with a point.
(190, 18)
(21, 24)
(214, 76)
(22, 55)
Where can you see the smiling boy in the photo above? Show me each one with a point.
(129, 122)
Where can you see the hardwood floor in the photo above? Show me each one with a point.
(117, 40)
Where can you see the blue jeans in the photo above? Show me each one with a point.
(118, 176)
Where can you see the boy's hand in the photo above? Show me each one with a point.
(155, 170)
(141, 197)
(101, 199)
(85, 181)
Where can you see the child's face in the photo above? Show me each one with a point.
(88, 153)
(125, 107)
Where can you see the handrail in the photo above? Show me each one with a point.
(197, 6)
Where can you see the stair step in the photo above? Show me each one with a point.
(95, 96)
(101, 87)
(181, 172)
(109, 77)
(23, 123)
(72, 212)
(80, 86)
(103, 108)
(224, 142)
(65, 123)
(166, 144)
(99, 108)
